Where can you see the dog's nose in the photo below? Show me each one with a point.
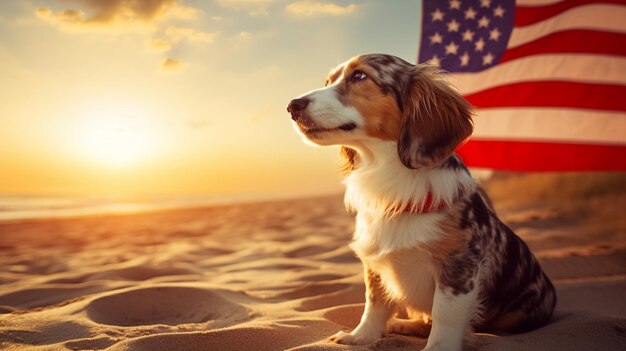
(297, 105)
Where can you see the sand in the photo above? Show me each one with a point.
(271, 276)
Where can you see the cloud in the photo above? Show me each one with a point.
(116, 14)
(176, 34)
(254, 7)
(244, 3)
(241, 38)
(309, 8)
(149, 17)
(172, 65)
(158, 44)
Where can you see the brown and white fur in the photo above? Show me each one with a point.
(448, 271)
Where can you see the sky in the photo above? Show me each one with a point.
(173, 97)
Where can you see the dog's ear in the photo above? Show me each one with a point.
(436, 119)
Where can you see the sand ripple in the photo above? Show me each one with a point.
(162, 305)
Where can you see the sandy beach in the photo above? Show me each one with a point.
(279, 275)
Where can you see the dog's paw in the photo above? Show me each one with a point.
(353, 338)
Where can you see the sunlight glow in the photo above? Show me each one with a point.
(116, 135)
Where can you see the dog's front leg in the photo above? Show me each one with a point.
(375, 316)
(451, 315)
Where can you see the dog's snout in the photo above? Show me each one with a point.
(297, 105)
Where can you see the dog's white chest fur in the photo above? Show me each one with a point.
(408, 278)
(390, 247)
(377, 235)
(390, 244)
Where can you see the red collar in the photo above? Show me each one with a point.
(427, 206)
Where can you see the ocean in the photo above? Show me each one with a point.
(27, 207)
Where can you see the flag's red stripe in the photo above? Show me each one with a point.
(542, 156)
(571, 41)
(527, 15)
(552, 94)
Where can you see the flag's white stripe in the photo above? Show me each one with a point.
(536, 2)
(602, 17)
(583, 68)
(550, 124)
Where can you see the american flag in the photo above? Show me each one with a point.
(548, 78)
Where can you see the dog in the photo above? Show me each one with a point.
(438, 262)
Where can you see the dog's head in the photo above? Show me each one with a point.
(382, 97)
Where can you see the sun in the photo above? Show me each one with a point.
(116, 135)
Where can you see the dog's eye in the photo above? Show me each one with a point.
(358, 75)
